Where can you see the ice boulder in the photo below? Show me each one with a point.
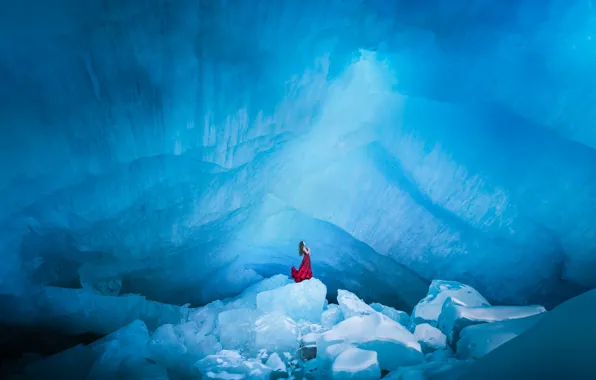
(430, 338)
(275, 332)
(429, 308)
(332, 316)
(206, 317)
(398, 316)
(478, 340)
(248, 298)
(299, 301)
(454, 317)
(230, 365)
(278, 367)
(351, 305)
(236, 328)
(355, 363)
(393, 343)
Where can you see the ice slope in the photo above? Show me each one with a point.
(173, 145)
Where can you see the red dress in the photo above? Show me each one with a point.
(304, 272)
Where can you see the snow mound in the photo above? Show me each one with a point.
(355, 363)
(454, 317)
(429, 308)
(299, 301)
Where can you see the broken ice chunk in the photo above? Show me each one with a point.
(394, 344)
(332, 316)
(478, 340)
(351, 305)
(429, 308)
(455, 317)
(430, 338)
(299, 301)
(398, 316)
(236, 328)
(355, 363)
(275, 332)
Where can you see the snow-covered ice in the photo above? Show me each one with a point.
(430, 338)
(351, 305)
(394, 344)
(454, 317)
(247, 337)
(429, 309)
(354, 363)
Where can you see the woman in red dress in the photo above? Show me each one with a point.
(305, 271)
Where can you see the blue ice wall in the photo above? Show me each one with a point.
(181, 145)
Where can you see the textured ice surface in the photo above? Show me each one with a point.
(429, 309)
(236, 328)
(355, 363)
(478, 340)
(229, 365)
(276, 332)
(170, 172)
(175, 144)
(397, 315)
(559, 346)
(430, 338)
(302, 301)
(351, 305)
(276, 364)
(455, 317)
(332, 316)
(394, 344)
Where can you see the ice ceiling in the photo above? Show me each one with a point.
(185, 147)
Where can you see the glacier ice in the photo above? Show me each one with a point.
(350, 305)
(455, 317)
(299, 301)
(276, 333)
(332, 316)
(477, 340)
(355, 363)
(430, 338)
(234, 338)
(394, 344)
(558, 346)
(429, 309)
(397, 315)
(161, 153)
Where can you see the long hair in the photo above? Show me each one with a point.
(301, 248)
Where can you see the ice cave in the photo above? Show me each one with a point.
(160, 161)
